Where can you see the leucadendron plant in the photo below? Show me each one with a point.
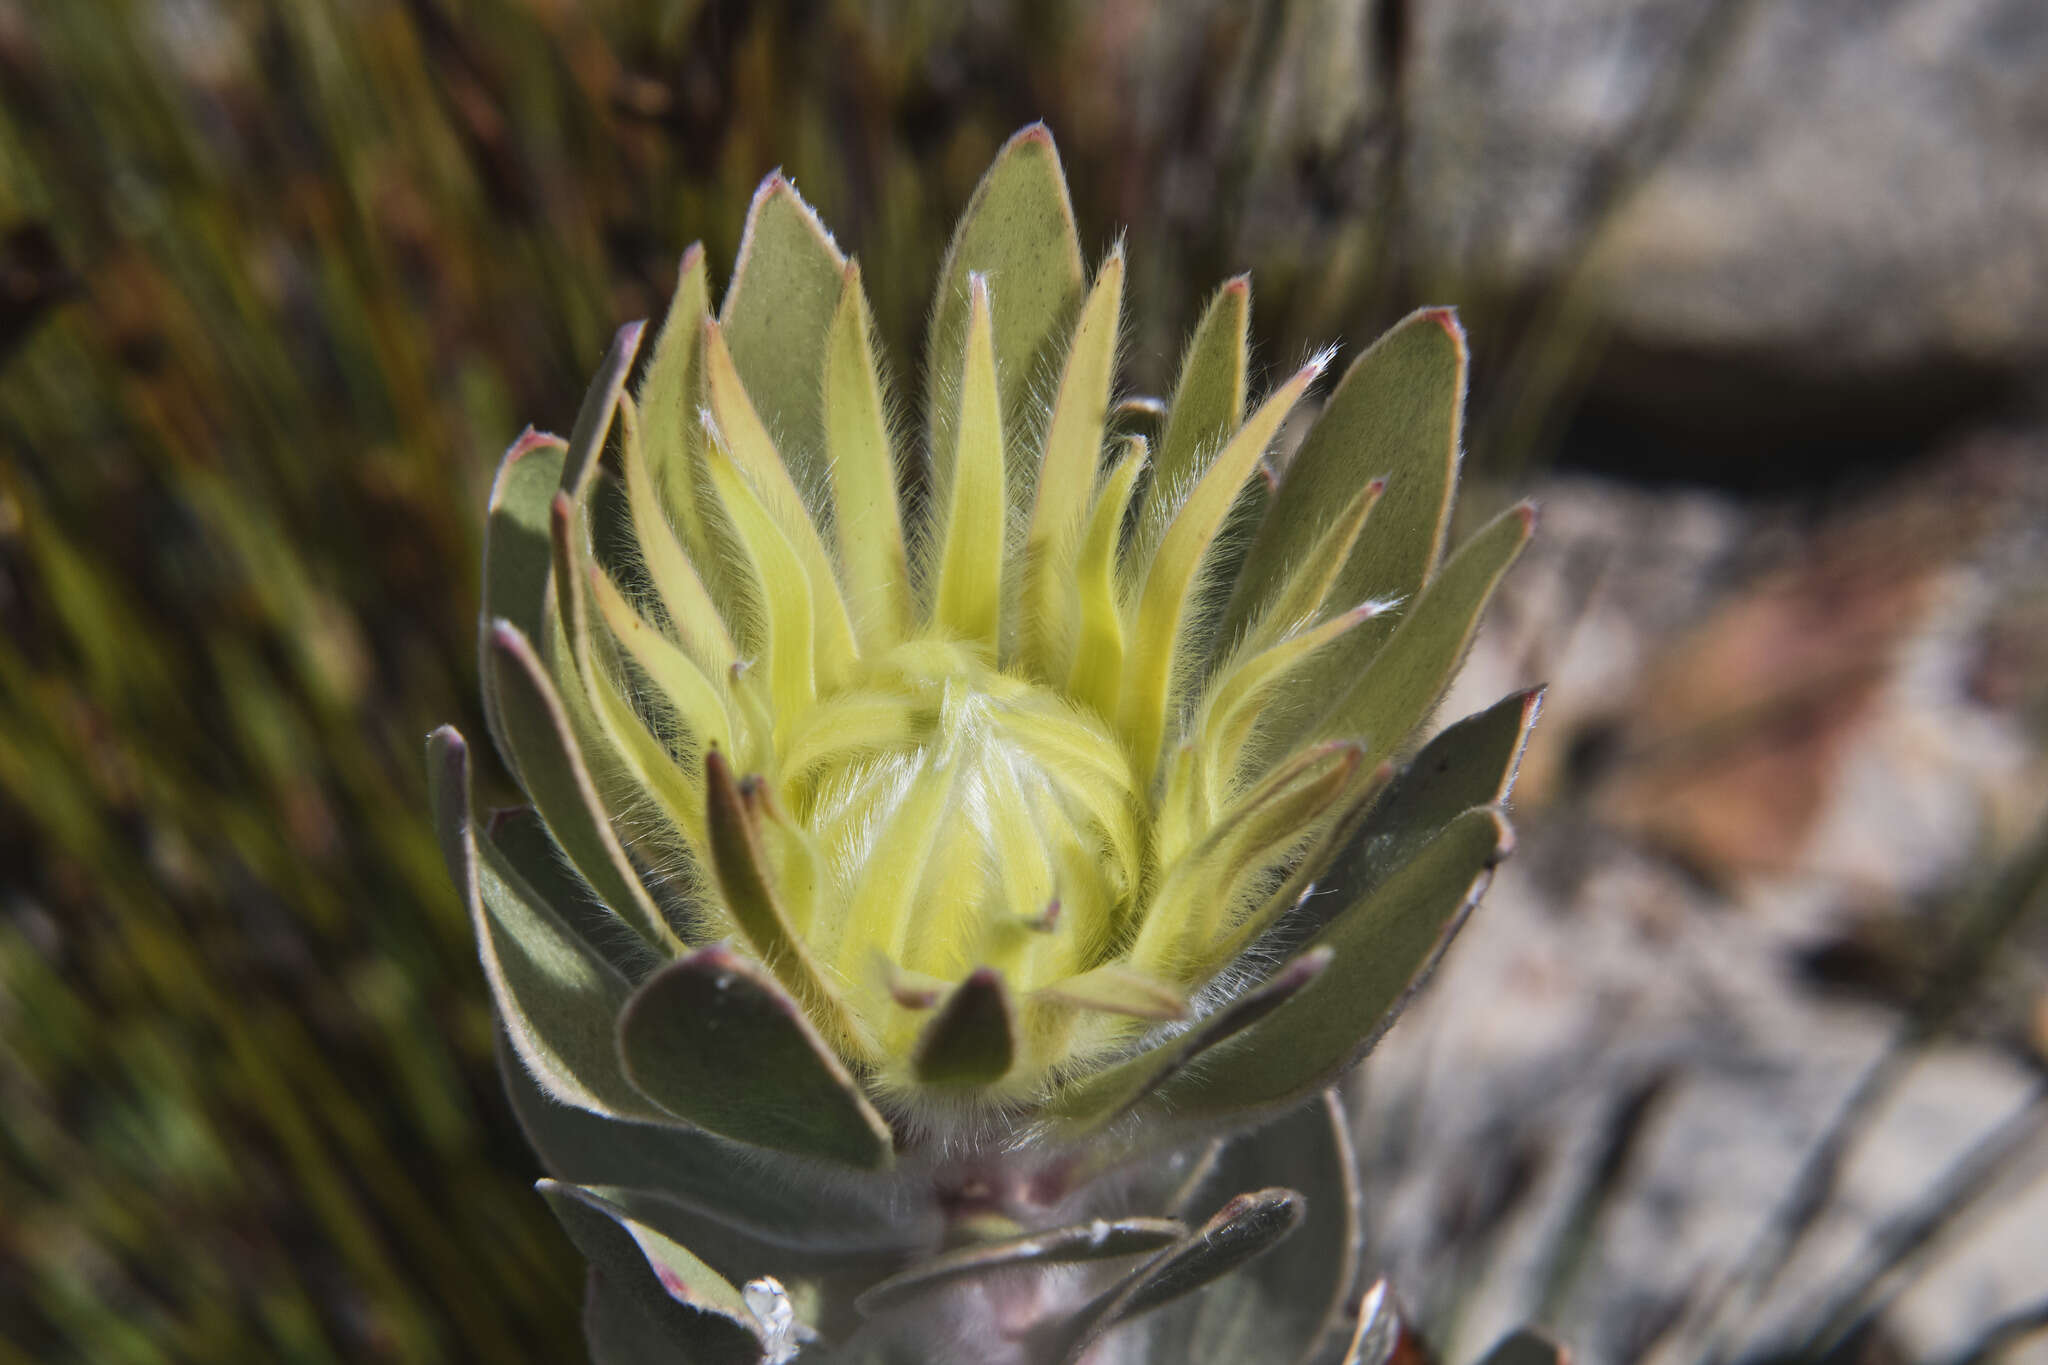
(960, 859)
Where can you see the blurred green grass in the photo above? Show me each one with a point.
(277, 282)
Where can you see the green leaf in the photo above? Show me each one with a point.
(1208, 397)
(713, 1040)
(551, 768)
(1396, 415)
(784, 1204)
(671, 394)
(1409, 675)
(1018, 230)
(558, 999)
(1104, 1095)
(1246, 1227)
(972, 1039)
(1093, 1241)
(785, 288)
(1526, 1346)
(594, 418)
(683, 1306)
(1382, 944)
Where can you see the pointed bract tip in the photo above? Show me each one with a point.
(1307, 967)
(501, 816)
(1030, 133)
(772, 184)
(977, 289)
(508, 638)
(448, 738)
(1376, 486)
(1046, 920)
(1527, 512)
(1504, 839)
(850, 276)
(627, 338)
(1237, 285)
(1447, 318)
(714, 957)
(533, 439)
(692, 254)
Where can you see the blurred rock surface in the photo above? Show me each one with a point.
(1782, 749)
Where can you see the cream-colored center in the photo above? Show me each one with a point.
(961, 817)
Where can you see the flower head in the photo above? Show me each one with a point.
(986, 758)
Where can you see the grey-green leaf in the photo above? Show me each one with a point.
(683, 1305)
(538, 737)
(559, 1001)
(1108, 1094)
(1383, 944)
(1099, 1240)
(1410, 674)
(1396, 414)
(672, 392)
(1472, 763)
(776, 316)
(518, 554)
(520, 837)
(594, 418)
(1018, 230)
(1246, 1227)
(972, 1038)
(1208, 396)
(1526, 1346)
(784, 1204)
(1289, 1304)
(713, 1040)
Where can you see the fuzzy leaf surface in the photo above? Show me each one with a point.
(972, 1039)
(543, 747)
(1410, 673)
(1208, 395)
(776, 315)
(1471, 763)
(713, 1040)
(1247, 1227)
(670, 1296)
(782, 1204)
(1099, 1240)
(1396, 414)
(1382, 944)
(1018, 230)
(1289, 1302)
